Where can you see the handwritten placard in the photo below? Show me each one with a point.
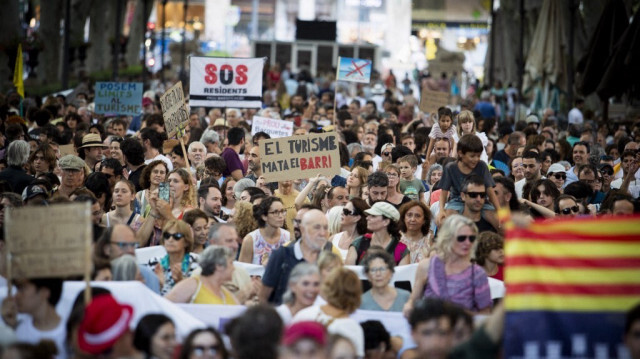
(291, 158)
(431, 101)
(49, 241)
(174, 110)
(120, 98)
(275, 128)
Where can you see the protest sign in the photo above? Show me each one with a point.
(569, 284)
(174, 111)
(431, 101)
(226, 82)
(275, 128)
(119, 98)
(354, 70)
(67, 150)
(291, 158)
(49, 241)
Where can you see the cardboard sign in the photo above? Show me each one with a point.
(291, 158)
(67, 150)
(275, 128)
(174, 111)
(226, 82)
(431, 101)
(49, 241)
(354, 70)
(119, 98)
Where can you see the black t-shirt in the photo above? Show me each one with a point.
(484, 226)
(134, 177)
(276, 274)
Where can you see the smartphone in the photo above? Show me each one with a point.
(164, 192)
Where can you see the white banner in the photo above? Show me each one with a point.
(275, 128)
(226, 82)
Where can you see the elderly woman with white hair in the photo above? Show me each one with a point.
(450, 275)
(302, 291)
(207, 287)
(125, 268)
(211, 140)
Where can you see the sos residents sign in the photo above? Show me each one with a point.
(291, 158)
(226, 82)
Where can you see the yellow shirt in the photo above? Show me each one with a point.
(205, 296)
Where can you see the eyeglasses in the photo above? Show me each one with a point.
(568, 210)
(281, 212)
(175, 236)
(476, 194)
(201, 350)
(347, 212)
(378, 270)
(127, 245)
(463, 238)
(560, 176)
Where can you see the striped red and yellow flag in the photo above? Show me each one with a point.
(571, 277)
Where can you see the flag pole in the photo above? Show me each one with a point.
(335, 93)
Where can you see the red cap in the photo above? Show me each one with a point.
(305, 330)
(104, 322)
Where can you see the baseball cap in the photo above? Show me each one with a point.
(532, 119)
(71, 162)
(305, 330)
(105, 321)
(555, 168)
(384, 209)
(32, 191)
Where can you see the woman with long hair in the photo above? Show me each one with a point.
(415, 220)
(353, 225)
(123, 198)
(199, 222)
(382, 222)
(182, 191)
(43, 160)
(356, 181)
(152, 175)
(155, 336)
(450, 275)
(258, 245)
(228, 196)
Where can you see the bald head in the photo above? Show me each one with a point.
(123, 241)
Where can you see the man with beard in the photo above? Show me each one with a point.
(196, 153)
(378, 182)
(531, 163)
(72, 175)
(210, 201)
(369, 142)
(234, 167)
(314, 230)
(474, 196)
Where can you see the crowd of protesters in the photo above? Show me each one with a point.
(414, 188)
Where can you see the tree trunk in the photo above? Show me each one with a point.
(79, 13)
(48, 70)
(10, 30)
(99, 54)
(136, 33)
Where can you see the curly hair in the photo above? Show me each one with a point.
(487, 241)
(262, 210)
(145, 177)
(342, 289)
(425, 212)
(243, 218)
(188, 197)
(378, 254)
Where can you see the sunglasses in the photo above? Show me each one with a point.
(607, 172)
(560, 176)
(386, 154)
(347, 212)
(463, 238)
(568, 210)
(175, 236)
(126, 245)
(476, 194)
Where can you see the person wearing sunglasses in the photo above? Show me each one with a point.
(566, 206)
(474, 197)
(557, 174)
(450, 275)
(178, 263)
(606, 171)
(353, 225)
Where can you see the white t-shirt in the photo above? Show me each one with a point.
(27, 333)
(346, 327)
(285, 313)
(634, 186)
(163, 158)
(519, 186)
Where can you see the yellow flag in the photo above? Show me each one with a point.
(17, 73)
